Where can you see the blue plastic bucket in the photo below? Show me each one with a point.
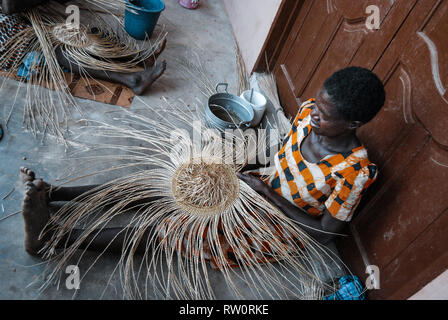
(141, 17)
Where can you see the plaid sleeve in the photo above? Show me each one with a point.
(304, 110)
(348, 191)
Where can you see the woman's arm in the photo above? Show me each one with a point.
(321, 228)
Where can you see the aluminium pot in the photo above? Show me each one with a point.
(227, 111)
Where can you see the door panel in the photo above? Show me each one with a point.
(394, 226)
(340, 38)
(429, 62)
(328, 35)
(422, 260)
(400, 222)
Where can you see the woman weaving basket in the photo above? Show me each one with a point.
(321, 173)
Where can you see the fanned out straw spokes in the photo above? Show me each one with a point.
(243, 78)
(115, 4)
(110, 50)
(211, 212)
(46, 107)
(194, 70)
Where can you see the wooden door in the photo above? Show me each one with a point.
(401, 225)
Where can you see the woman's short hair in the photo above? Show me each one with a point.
(357, 93)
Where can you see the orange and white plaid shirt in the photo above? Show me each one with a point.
(337, 182)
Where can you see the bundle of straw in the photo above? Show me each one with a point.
(199, 205)
(243, 77)
(268, 85)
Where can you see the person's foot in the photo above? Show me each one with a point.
(152, 59)
(35, 214)
(144, 79)
(26, 175)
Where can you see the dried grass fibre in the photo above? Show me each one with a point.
(268, 85)
(49, 111)
(205, 188)
(197, 193)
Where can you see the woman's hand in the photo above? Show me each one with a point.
(253, 182)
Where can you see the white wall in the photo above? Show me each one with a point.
(251, 21)
(435, 290)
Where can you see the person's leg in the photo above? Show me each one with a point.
(108, 240)
(139, 82)
(36, 215)
(148, 62)
(55, 193)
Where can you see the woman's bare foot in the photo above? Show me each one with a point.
(26, 175)
(35, 215)
(34, 210)
(143, 80)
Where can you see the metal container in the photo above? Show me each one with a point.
(141, 17)
(228, 111)
(258, 103)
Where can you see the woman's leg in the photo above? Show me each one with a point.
(36, 215)
(109, 240)
(137, 81)
(55, 193)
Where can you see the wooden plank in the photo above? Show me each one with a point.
(340, 39)
(413, 201)
(337, 55)
(419, 14)
(428, 63)
(295, 30)
(422, 261)
(372, 50)
(311, 45)
(279, 32)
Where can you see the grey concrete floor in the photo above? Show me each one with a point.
(205, 33)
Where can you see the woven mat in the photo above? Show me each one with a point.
(96, 90)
